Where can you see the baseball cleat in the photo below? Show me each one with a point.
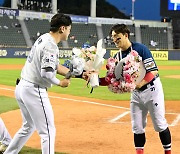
(3, 147)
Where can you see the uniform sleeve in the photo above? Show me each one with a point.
(50, 56)
(148, 60)
(50, 76)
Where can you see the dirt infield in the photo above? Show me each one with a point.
(91, 126)
(15, 67)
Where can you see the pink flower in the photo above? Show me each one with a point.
(115, 84)
(111, 60)
(127, 77)
(108, 79)
(134, 53)
(130, 73)
(125, 67)
(111, 75)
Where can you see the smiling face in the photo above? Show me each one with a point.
(121, 40)
(120, 36)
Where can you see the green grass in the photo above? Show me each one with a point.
(8, 77)
(12, 60)
(27, 150)
(7, 104)
(22, 61)
(168, 63)
(78, 86)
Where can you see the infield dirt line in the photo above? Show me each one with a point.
(76, 100)
(114, 120)
(175, 122)
(89, 102)
(119, 117)
(84, 101)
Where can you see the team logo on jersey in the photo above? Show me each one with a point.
(47, 60)
(156, 104)
(52, 58)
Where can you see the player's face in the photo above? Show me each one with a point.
(119, 39)
(66, 32)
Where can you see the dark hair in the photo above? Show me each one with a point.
(120, 28)
(59, 20)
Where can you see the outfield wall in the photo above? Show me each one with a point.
(66, 53)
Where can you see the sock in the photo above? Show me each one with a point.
(139, 151)
(165, 137)
(167, 151)
(139, 140)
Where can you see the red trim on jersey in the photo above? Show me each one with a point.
(148, 77)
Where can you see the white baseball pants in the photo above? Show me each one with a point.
(37, 114)
(5, 137)
(152, 100)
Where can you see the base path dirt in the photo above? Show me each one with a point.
(92, 126)
(11, 67)
(20, 66)
(173, 76)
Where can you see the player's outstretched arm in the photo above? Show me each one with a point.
(49, 74)
(62, 70)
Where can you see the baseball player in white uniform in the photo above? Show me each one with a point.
(5, 137)
(148, 95)
(38, 74)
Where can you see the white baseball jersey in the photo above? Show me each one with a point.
(32, 97)
(148, 98)
(44, 53)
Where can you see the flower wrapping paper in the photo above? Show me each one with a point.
(89, 59)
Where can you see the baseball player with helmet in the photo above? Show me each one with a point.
(38, 74)
(148, 95)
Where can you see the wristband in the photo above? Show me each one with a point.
(68, 75)
(148, 77)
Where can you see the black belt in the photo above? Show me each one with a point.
(151, 83)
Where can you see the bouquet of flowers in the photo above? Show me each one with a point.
(89, 59)
(123, 77)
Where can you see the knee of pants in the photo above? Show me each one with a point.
(50, 131)
(160, 128)
(28, 129)
(138, 128)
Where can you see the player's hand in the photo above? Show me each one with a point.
(64, 83)
(138, 86)
(86, 75)
(142, 83)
